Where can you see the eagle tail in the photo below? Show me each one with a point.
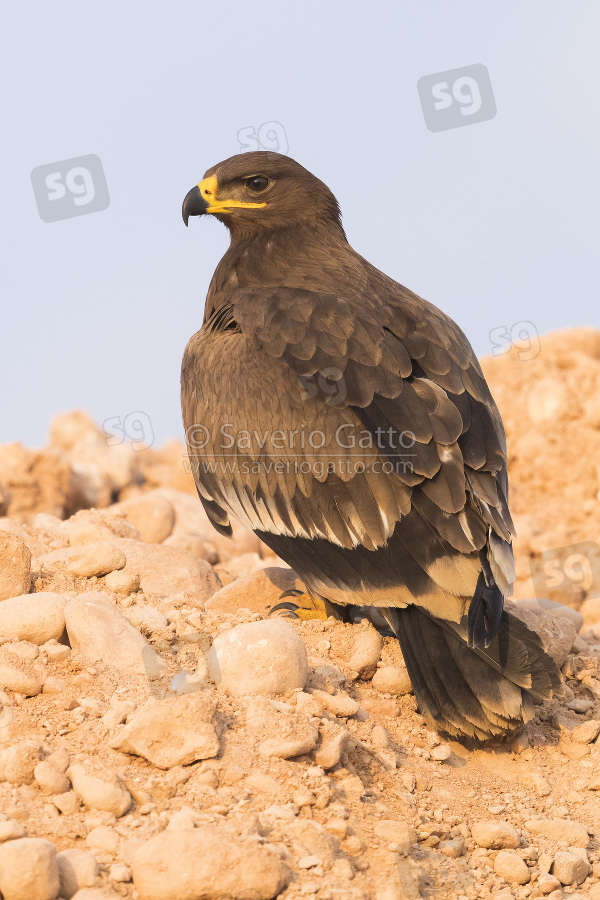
(474, 691)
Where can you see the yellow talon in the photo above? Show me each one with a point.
(303, 606)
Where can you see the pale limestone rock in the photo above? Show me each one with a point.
(258, 591)
(395, 831)
(165, 571)
(103, 838)
(176, 731)
(586, 732)
(367, 648)
(18, 762)
(98, 559)
(495, 835)
(99, 631)
(122, 582)
(339, 704)
(15, 566)
(280, 731)
(574, 833)
(392, 680)
(99, 787)
(266, 657)
(570, 867)
(511, 867)
(216, 866)
(33, 617)
(50, 780)
(152, 514)
(28, 870)
(77, 869)
(11, 830)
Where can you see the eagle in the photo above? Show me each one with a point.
(347, 422)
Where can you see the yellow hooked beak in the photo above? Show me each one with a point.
(202, 199)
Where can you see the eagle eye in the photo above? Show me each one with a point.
(258, 183)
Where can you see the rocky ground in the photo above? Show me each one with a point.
(162, 739)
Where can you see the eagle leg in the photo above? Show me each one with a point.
(305, 606)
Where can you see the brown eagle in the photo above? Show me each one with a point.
(347, 422)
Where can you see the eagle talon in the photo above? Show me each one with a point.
(304, 607)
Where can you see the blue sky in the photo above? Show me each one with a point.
(495, 222)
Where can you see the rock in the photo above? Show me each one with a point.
(18, 675)
(99, 631)
(548, 883)
(18, 762)
(511, 867)
(258, 591)
(98, 787)
(333, 742)
(239, 567)
(280, 732)
(28, 870)
(76, 869)
(339, 704)
(392, 680)
(570, 868)
(122, 582)
(590, 610)
(152, 514)
(33, 617)
(540, 784)
(560, 830)
(68, 803)
(556, 609)
(586, 732)
(103, 838)
(176, 731)
(119, 873)
(556, 633)
(394, 831)
(164, 571)
(15, 566)
(147, 617)
(495, 835)
(452, 848)
(90, 525)
(98, 558)
(38, 480)
(266, 657)
(215, 867)
(311, 839)
(50, 780)
(56, 652)
(367, 648)
(441, 752)
(59, 759)
(10, 830)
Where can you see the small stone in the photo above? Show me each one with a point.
(76, 869)
(50, 779)
(15, 566)
(308, 862)
(147, 617)
(339, 704)
(394, 831)
(33, 617)
(18, 675)
(153, 515)
(570, 868)
(214, 867)
(53, 685)
(56, 652)
(409, 781)
(68, 803)
(333, 741)
(586, 732)
(495, 835)
(441, 752)
(117, 714)
(259, 591)
(548, 883)
(452, 848)
(19, 762)
(176, 731)
(99, 788)
(119, 873)
(166, 571)
(11, 830)
(511, 867)
(380, 737)
(99, 631)
(24, 649)
(392, 680)
(573, 833)
(281, 732)
(266, 657)
(28, 870)
(98, 559)
(367, 648)
(122, 582)
(60, 759)
(580, 706)
(103, 838)
(540, 784)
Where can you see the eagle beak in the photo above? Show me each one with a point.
(203, 199)
(194, 204)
